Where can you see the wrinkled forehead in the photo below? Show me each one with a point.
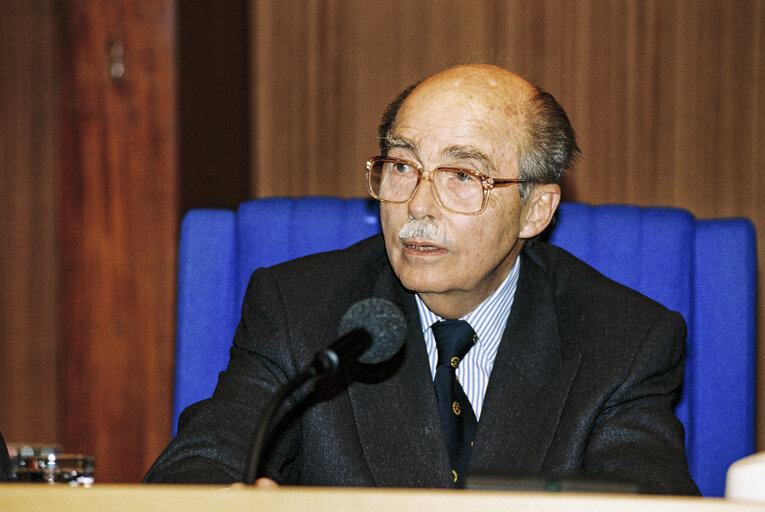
(469, 107)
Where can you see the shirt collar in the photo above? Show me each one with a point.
(498, 304)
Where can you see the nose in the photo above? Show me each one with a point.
(423, 203)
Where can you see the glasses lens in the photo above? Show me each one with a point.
(392, 180)
(458, 190)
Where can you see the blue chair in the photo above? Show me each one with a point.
(704, 269)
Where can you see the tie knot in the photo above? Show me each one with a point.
(453, 340)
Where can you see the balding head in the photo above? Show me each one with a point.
(528, 124)
(466, 126)
(488, 86)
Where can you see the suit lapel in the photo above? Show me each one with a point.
(529, 383)
(395, 407)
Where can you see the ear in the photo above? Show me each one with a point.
(539, 209)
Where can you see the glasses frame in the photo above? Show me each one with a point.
(487, 182)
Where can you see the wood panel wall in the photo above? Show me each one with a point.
(118, 221)
(29, 392)
(213, 104)
(667, 97)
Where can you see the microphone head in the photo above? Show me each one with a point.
(383, 321)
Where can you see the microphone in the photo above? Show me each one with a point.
(371, 331)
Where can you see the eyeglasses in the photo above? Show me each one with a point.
(393, 180)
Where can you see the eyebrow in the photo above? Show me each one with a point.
(397, 141)
(461, 152)
(471, 153)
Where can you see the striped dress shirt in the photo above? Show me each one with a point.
(488, 320)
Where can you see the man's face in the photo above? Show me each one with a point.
(458, 260)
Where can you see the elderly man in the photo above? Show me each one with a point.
(553, 368)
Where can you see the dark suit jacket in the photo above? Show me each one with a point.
(4, 461)
(584, 382)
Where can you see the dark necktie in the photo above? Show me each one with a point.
(453, 340)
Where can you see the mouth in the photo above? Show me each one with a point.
(420, 247)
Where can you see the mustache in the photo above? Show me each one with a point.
(425, 231)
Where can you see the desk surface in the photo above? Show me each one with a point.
(200, 498)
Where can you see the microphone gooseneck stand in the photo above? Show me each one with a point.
(327, 361)
(260, 434)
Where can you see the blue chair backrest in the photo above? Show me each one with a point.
(704, 269)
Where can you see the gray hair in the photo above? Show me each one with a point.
(550, 147)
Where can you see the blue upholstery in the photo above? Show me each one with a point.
(705, 269)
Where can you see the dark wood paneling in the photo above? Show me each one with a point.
(666, 96)
(213, 91)
(324, 71)
(28, 270)
(118, 226)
